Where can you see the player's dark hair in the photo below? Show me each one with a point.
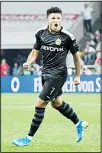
(54, 10)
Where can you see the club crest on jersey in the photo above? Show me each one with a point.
(58, 41)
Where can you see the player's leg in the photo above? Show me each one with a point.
(66, 110)
(48, 92)
(39, 109)
(37, 119)
(35, 124)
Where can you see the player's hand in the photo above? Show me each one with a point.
(76, 80)
(26, 66)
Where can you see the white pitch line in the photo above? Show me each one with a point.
(16, 107)
(33, 107)
(89, 104)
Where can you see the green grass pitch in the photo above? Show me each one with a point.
(56, 133)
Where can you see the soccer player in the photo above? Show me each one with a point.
(54, 41)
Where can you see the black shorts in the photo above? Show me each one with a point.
(52, 87)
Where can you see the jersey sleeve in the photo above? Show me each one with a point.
(72, 45)
(37, 44)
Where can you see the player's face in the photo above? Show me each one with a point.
(54, 21)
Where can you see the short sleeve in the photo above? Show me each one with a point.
(72, 45)
(37, 44)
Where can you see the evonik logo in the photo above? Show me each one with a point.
(52, 49)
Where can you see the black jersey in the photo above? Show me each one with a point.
(54, 47)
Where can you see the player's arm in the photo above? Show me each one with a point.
(32, 56)
(34, 53)
(74, 48)
(77, 64)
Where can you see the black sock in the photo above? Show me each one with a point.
(37, 120)
(68, 112)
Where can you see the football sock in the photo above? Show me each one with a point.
(36, 121)
(77, 124)
(68, 112)
(29, 137)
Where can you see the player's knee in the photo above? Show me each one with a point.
(53, 104)
(56, 103)
(41, 103)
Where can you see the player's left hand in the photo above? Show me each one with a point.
(76, 80)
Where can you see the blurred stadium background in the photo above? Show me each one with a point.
(19, 23)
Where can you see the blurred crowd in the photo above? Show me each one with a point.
(17, 69)
(91, 57)
(91, 54)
